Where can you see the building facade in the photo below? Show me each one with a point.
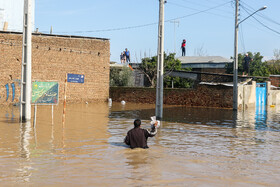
(54, 56)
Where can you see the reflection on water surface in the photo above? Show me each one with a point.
(194, 147)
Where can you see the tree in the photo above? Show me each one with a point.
(273, 67)
(200, 51)
(149, 68)
(121, 77)
(257, 67)
(274, 64)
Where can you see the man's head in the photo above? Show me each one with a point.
(137, 123)
(246, 54)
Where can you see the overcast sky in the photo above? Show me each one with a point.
(207, 25)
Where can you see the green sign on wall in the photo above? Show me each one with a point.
(45, 92)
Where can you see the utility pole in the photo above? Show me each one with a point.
(26, 84)
(175, 21)
(159, 92)
(235, 64)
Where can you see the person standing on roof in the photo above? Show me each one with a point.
(183, 47)
(127, 54)
(122, 57)
(246, 65)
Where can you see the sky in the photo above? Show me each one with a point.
(207, 25)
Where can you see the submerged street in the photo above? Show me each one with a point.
(194, 146)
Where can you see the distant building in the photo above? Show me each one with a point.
(11, 15)
(203, 64)
(211, 64)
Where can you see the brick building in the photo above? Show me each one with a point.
(53, 56)
(275, 80)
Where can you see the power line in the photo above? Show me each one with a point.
(241, 35)
(261, 22)
(115, 29)
(260, 14)
(149, 24)
(242, 38)
(202, 11)
(265, 25)
(198, 4)
(196, 9)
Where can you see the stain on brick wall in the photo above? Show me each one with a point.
(52, 58)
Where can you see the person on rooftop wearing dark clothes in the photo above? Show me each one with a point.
(127, 55)
(183, 47)
(137, 137)
(246, 65)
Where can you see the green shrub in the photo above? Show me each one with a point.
(121, 77)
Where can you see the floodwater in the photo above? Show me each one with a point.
(193, 147)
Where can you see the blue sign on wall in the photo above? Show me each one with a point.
(75, 78)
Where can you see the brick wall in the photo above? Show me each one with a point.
(210, 70)
(53, 57)
(275, 80)
(202, 95)
(215, 78)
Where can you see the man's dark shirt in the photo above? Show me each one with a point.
(137, 137)
(247, 60)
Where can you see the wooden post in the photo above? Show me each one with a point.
(35, 115)
(5, 27)
(64, 104)
(34, 125)
(52, 114)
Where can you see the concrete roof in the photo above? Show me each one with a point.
(117, 65)
(203, 59)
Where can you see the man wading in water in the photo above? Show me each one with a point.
(137, 137)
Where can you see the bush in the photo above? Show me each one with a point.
(121, 77)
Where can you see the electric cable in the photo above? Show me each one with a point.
(202, 11)
(198, 10)
(260, 14)
(201, 5)
(241, 33)
(149, 24)
(266, 26)
(273, 30)
(242, 38)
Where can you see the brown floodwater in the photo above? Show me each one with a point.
(193, 147)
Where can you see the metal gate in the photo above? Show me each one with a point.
(261, 113)
(261, 94)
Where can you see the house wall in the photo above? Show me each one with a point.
(202, 95)
(210, 70)
(247, 96)
(273, 96)
(52, 58)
